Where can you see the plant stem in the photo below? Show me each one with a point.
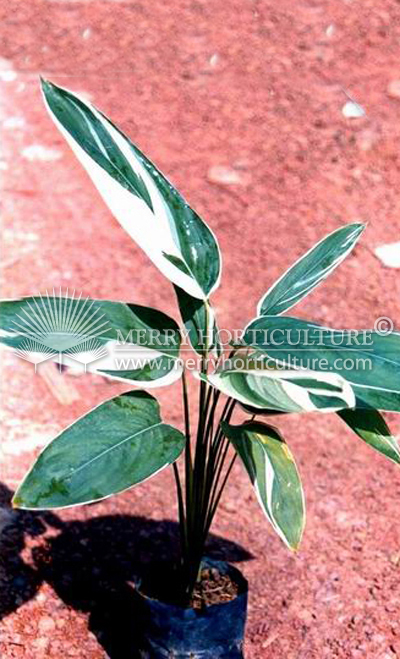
(204, 472)
(217, 499)
(188, 454)
(182, 521)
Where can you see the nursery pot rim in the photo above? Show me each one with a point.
(223, 567)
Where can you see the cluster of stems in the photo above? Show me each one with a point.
(205, 477)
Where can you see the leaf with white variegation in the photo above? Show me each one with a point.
(199, 320)
(369, 361)
(140, 344)
(274, 476)
(117, 445)
(256, 411)
(252, 383)
(144, 202)
(310, 270)
(373, 429)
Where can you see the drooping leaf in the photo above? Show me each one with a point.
(257, 411)
(200, 324)
(147, 206)
(368, 360)
(310, 270)
(274, 476)
(129, 342)
(117, 445)
(278, 390)
(373, 429)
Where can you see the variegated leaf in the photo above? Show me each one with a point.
(369, 361)
(310, 270)
(126, 342)
(148, 207)
(373, 429)
(199, 320)
(249, 381)
(274, 476)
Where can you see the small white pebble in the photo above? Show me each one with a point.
(389, 254)
(13, 122)
(8, 76)
(86, 33)
(12, 234)
(352, 110)
(330, 30)
(39, 152)
(393, 89)
(224, 175)
(214, 59)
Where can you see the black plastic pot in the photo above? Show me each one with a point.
(217, 632)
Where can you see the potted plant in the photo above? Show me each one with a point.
(276, 365)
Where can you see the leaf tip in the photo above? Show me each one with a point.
(295, 546)
(16, 502)
(45, 84)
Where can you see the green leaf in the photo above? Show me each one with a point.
(257, 411)
(145, 203)
(128, 342)
(194, 316)
(370, 362)
(117, 445)
(310, 270)
(253, 384)
(274, 476)
(372, 428)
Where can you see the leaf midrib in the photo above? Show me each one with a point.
(109, 449)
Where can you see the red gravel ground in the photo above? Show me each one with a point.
(255, 86)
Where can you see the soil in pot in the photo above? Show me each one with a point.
(213, 587)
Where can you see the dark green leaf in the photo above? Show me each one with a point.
(120, 443)
(372, 428)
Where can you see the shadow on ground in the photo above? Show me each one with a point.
(90, 564)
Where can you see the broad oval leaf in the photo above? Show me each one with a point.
(121, 341)
(274, 476)
(117, 445)
(373, 429)
(310, 270)
(370, 362)
(145, 203)
(282, 390)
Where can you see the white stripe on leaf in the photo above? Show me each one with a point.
(309, 270)
(274, 476)
(154, 215)
(250, 387)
